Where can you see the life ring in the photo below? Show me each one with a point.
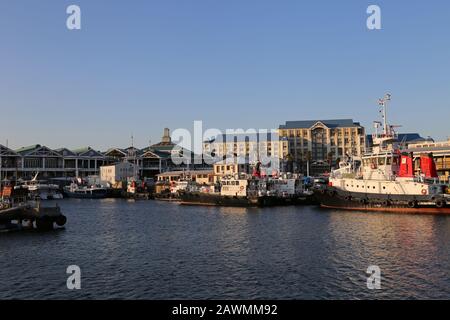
(424, 191)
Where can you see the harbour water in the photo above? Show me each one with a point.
(159, 250)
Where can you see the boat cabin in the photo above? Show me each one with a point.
(232, 186)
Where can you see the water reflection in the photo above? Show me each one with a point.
(157, 250)
(405, 247)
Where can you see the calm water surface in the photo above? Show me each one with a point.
(156, 250)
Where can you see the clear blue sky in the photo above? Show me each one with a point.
(140, 66)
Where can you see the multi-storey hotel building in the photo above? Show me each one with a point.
(322, 142)
(251, 146)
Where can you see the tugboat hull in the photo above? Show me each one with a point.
(44, 218)
(333, 199)
(197, 198)
(205, 199)
(87, 195)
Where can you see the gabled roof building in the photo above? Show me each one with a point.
(321, 142)
(25, 162)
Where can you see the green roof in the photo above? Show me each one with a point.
(28, 149)
(81, 150)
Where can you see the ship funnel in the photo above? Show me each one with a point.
(406, 166)
(427, 166)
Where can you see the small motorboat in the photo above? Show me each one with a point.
(75, 190)
(41, 190)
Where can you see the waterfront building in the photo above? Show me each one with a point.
(320, 143)
(118, 172)
(9, 160)
(245, 145)
(58, 163)
(39, 159)
(168, 151)
(27, 161)
(147, 162)
(154, 159)
(61, 162)
(82, 162)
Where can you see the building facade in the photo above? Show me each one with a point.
(245, 145)
(63, 162)
(118, 172)
(27, 161)
(320, 143)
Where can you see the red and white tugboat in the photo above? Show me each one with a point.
(384, 179)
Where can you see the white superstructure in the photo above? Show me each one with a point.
(42, 190)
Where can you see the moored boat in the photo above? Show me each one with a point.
(41, 190)
(85, 192)
(244, 191)
(16, 210)
(233, 191)
(384, 180)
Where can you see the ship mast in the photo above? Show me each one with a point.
(133, 154)
(383, 103)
